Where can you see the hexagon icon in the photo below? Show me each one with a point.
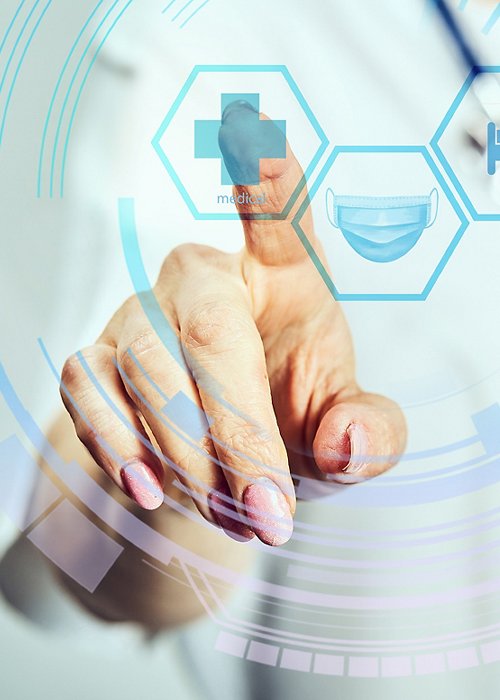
(197, 170)
(474, 116)
(387, 221)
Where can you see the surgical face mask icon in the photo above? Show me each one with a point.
(382, 229)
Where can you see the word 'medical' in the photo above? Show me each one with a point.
(243, 198)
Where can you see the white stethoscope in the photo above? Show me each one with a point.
(486, 90)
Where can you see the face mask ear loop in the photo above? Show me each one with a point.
(330, 200)
(434, 197)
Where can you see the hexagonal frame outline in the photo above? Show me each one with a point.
(422, 150)
(197, 70)
(475, 72)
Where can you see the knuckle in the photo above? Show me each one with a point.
(185, 251)
(86, 433)
(179, 257)
(141, 346)
(130, 307)
(96, 428)
(251, 450)
(72, 371)
(215, 325)
(183, 257)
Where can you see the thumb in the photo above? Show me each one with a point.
(270, 196)
(359, 438)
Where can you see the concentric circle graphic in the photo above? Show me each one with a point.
(395, 577)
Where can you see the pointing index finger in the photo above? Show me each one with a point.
(265, 188)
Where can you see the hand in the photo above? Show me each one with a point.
(261, 325)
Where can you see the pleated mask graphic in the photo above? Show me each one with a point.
(382, 229)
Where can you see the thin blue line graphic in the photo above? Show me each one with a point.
(102, 442)
(167, 424)
(224, 68)
(141, 283)
(151, 307)
(387, 479)
(9, 28)
(153, 311)
(33, 432)
(14, 48)
(422, 150)
(19, 65)
(56, 90)
(463, 4)
(160, 454)
(184, 7)
(149, 379)
(435, 144)
(70, 87)
(85, 488)
(193, 445)
(168, 6)
(495, 16)
(176, 468)
(194, 13)
(149, 303)
(66, 471)
(443, 397)
(75, 107)
(189, 441)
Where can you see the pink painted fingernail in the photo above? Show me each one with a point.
(225, 514)
(268, 512)
(142, 485)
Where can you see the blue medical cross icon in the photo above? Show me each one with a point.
(263, 139)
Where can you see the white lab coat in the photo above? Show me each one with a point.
(379, 73)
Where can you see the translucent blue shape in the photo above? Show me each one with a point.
(18, 475)
(381, 229)
(487, 424)
(244, 140)
(443, 159)
(83, 551)
(440, 264)
(187, 416)
(183, 190)
(493, 148)
(492, 20)
(193, 14)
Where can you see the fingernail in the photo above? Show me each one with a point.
(268, 512)
(352, 473)
(359, 449)
(142, 485)
(236, 106)
(222, 509)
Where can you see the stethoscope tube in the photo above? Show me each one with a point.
(471, 60)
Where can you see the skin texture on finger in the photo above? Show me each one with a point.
(108, 426)
(308, 348)
(152, 379)
(241, 318)
(220, 339)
